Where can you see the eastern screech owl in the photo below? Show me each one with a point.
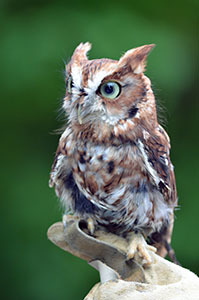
(112, 163)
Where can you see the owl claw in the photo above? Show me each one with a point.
(71, 218)
(90, 225)
(138, 245)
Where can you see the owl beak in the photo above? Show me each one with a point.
(79, 114)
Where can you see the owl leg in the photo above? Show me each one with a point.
(138, 245)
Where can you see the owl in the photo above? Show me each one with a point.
(112, 165)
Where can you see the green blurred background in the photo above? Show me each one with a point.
(36, 38)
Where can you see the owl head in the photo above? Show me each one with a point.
(114, 96)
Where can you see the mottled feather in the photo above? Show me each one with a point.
(112, 163)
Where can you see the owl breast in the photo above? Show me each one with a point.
(114, 179)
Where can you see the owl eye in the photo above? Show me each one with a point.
(110, 89)
(69, 84)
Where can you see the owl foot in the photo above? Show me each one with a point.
(138, 246)
(69, 218)
(73, 218)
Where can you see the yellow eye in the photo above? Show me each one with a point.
(110, 89)
(69, 84)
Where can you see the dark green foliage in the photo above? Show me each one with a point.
(36, 37)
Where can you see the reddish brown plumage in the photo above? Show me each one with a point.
(112, 163)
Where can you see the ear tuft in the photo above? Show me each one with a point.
(136, 58)
(81, 51)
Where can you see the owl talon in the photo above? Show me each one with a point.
(72, 218)
(91, 226)
(138, 245)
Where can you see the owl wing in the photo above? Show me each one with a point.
(59, 170)
(61, 178)
(155, 150)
